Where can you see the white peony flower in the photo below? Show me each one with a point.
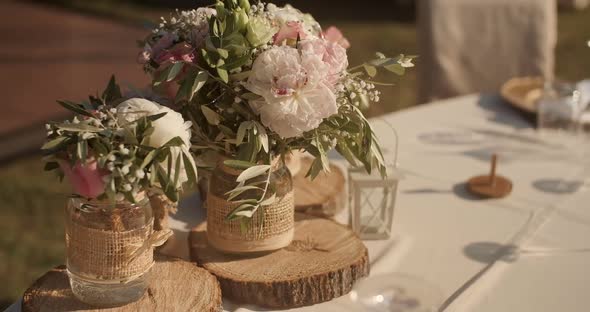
(166, 128)
(296, 93)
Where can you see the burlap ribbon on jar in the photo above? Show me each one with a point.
(275, 219)
(112, 256)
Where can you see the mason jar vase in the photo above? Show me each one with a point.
(107, 252)
(272, 225)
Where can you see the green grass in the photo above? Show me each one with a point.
(31, 219)
(32, 202)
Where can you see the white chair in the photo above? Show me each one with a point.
(469, 46)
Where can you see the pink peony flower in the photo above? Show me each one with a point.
(179, 52)
(86, 179)
(290, 30)
(295, 94)
(334, 34)
(332, 54)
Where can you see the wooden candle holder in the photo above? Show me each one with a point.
(492, 185)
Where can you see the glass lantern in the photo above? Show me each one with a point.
(372, 202)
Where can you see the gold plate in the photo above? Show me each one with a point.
(523, 92)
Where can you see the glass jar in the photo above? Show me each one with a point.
(108, 253)
(270, 228)
(558, 109)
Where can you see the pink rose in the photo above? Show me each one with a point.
(86, 179)
(331, 53)
(291, 30)
(334, 34)
(179, 52)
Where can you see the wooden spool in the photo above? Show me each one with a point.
(323, 262)
(325, 196)
(492, 185)
(177, 286)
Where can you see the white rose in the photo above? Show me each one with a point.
(166, 128)
(295, 91)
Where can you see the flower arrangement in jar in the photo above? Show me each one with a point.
(259, 81)
(117, 153)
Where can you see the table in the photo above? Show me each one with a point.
(447, 237)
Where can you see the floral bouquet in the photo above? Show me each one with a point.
(116, 149)
(122, 156)
(259, 81)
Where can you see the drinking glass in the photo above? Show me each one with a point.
(559, 109)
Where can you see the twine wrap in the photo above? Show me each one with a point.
(273, 229)
(110, 255)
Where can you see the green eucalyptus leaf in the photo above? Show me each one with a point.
(174, 142)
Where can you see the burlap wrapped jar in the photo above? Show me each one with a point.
(109, 249)
(270, 228)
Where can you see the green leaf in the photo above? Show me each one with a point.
(223, 74)
(244, 126)
(396, 69)
(269, 201)
(175, 69)
(174, 142)
(55, 143)
(98, 147)
(112, 92)
(169, 191)
(223, 53)
(252, 172)
(51, 166)
(148, 158)
(199, 82)
(82, 150)
(238, 164)
(243, 210)
(177, 170)
(191, 173)
(75, 108)
(156, 116)
(212, 117)
(239, 190)
(262, 136)
(79, 127)
(371, 70)
(315, 169)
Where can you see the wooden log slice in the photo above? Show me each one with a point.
(177, 286)
(323, 262)
(325, 196)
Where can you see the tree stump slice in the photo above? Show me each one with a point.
(177, 286)
(323, 262)
(325, 196)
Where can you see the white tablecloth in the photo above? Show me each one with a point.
(446, 236)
